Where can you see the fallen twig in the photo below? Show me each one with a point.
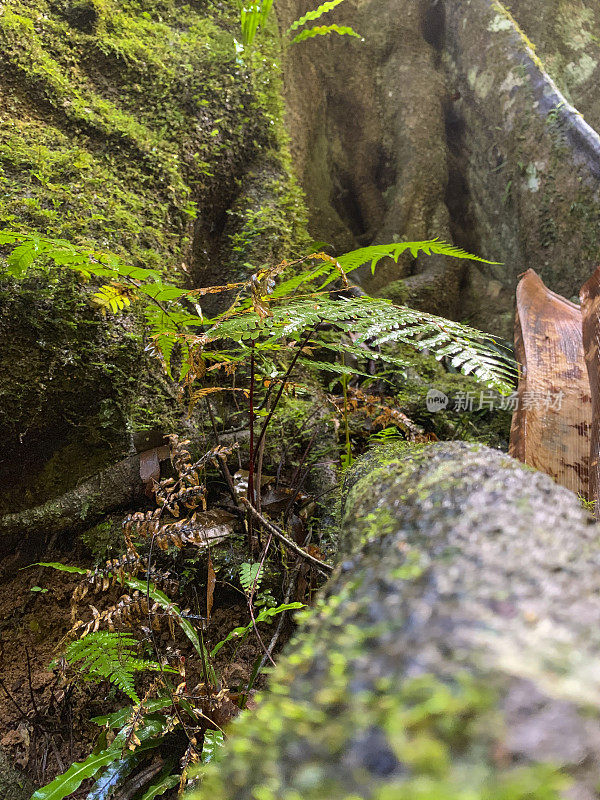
(269, 526)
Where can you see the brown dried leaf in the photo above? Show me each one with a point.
(551, 427)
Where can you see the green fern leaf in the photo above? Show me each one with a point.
(314, 14)
(71, 780)
(374, 254)
(106, 655)
(112, 297)
(22, 257)
(10, 237)
(323, 30)
(251, 576)
(164, 782)
(333, 366)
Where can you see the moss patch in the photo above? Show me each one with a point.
(129, 126)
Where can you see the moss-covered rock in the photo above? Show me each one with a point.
(452, 654)
(134, 127)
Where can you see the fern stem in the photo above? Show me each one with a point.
(325, 568)
(251, 447)
(346, 424)
(283, 382)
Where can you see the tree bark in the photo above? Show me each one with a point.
(452, 653)
(446, 122)
(118, 486)
(531, 163)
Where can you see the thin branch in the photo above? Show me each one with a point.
(327, 569)
(283, 382)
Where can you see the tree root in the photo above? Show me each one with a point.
(117, 486)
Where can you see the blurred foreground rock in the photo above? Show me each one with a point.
(452, 655)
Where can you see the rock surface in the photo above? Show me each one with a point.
(453, 654)
(446, 121)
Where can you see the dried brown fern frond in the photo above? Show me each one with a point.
(382, 410)
(115, 573)
(127, 610)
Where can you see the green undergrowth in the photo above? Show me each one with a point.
(463, 419)
(135, 127)
(120, 118)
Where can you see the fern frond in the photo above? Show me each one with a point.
(30, 248)
(323, 30)
(106, 655)
(378, 322)
(314, 14)
(113, 297)
(374, 254)
(251, 576)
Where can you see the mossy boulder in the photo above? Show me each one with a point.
(133, 127)
(452, 653)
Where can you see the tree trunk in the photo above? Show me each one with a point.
(453, 653)
(446, 122)
(531, 163)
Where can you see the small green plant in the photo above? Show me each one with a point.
(391, 434)
(107, 655)
(251, 577)
(255, 16)
(265, 615)
(589, 505)
(283, 306)
(274, 325)
(144, 725)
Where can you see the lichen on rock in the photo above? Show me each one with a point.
(452, 653)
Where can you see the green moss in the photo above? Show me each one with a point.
(431, 726)
(118, 130)
(504, 14)
(105, 540)
(127, 125)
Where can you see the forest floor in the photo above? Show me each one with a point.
(45, 721)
